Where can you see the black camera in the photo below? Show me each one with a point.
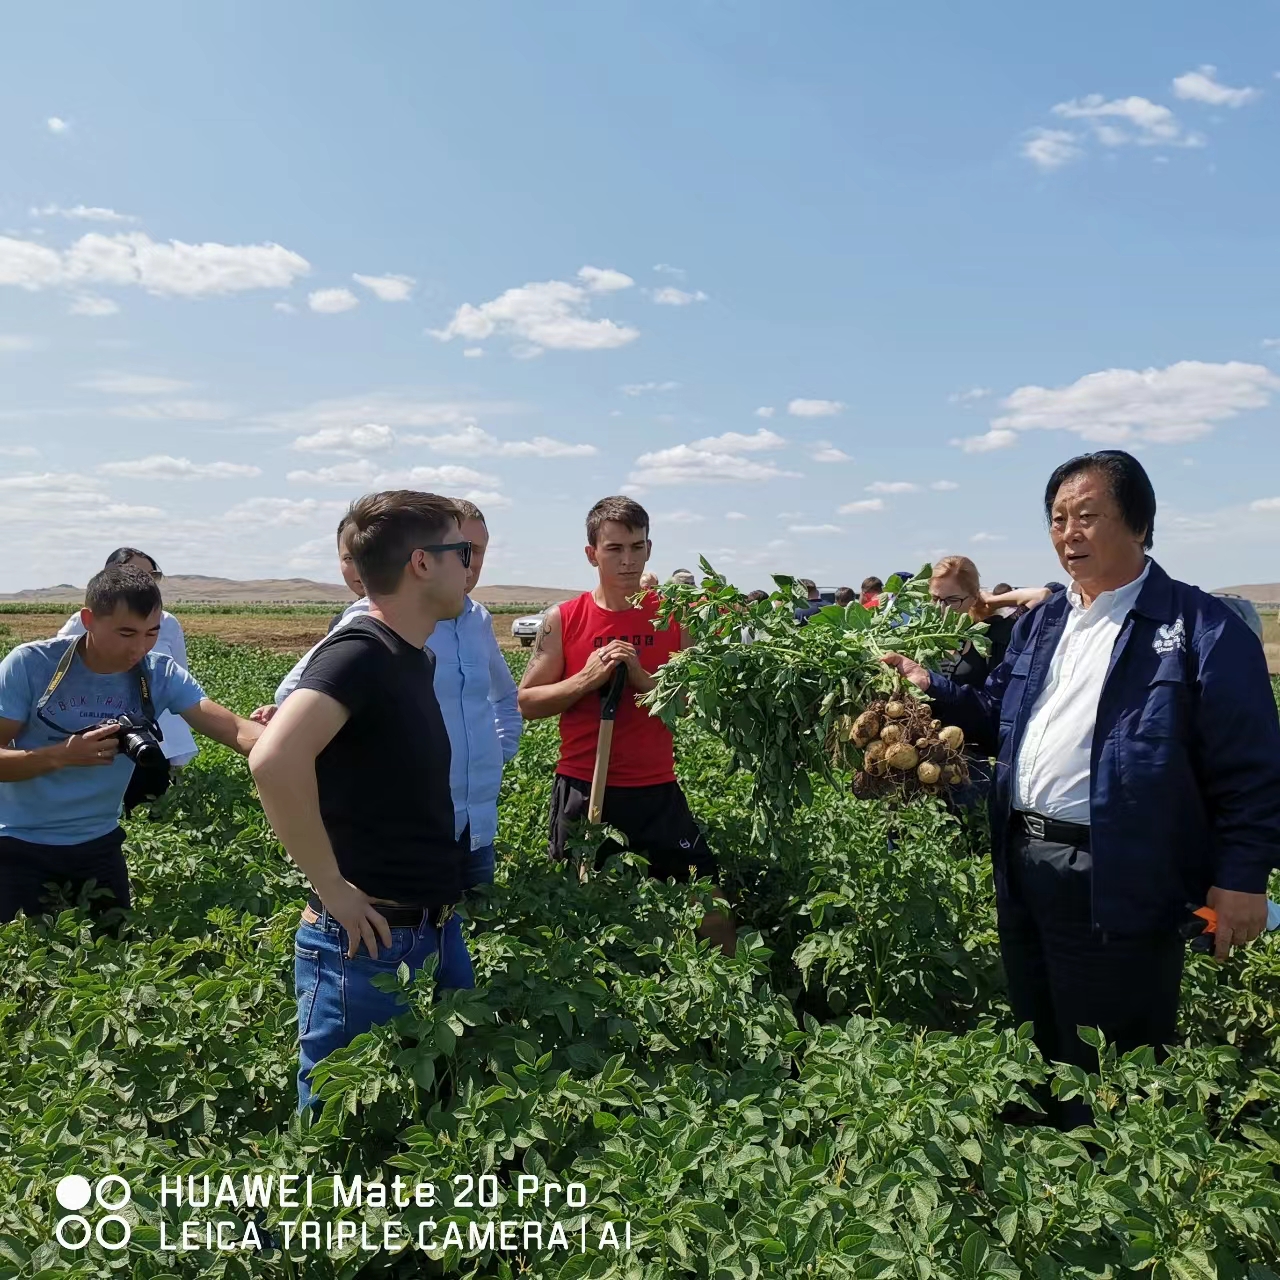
(139, 739)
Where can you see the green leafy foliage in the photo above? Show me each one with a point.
(824, 1103)
(774, 701)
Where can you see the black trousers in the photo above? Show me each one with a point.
(1064, 974)
(25, 868)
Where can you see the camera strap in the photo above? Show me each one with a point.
(64, 665)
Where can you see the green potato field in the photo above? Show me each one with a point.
(822, 1104)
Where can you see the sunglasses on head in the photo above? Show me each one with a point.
(462, 548)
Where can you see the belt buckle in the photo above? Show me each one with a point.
(1034, 824)
(445, 912)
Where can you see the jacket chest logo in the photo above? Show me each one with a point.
(1170, 637)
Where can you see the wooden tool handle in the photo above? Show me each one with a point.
(604, 747)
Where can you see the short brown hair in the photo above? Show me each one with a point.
(119, 584)
(872, 584)
(620, 509)
(468, 510)
(384, 529)
(845, 595)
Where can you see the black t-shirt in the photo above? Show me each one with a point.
(384, 778)
(968, 667)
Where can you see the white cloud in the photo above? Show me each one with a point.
(814, 408)
(135, 384)
(82, 213)
(173, 411)
(329, 302)
(1160, 406)
(735, 442)
(943, 486)
(664, 268)
(371, 437)
(396, 410)
(56, 124)
(1050, 149)
(67, 483)
(969, 396)
(765, 411)
(285, 308)
(892, 486)
(996, 438)
(1265, 504)
(387, 288)
(1201, 86)
(473, 353)
(10, 342)
(133, 258)
(1271, 342)
(283, 512)
(1142, 122)
(735, 515)
(471, 441)
(670, 296)
(92, 304)
(161, 466)
(640, 388)
(825, 451)
(18, 451)
(679, 517)
(861, 506)
(685, 464)
(604, 279)
(364, 473)
(988, 537)
(546, 314)
(814, 528)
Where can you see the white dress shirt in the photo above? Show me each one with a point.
(1051, 774)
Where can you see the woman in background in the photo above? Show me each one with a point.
(178, 745)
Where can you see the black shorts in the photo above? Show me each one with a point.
(656, 821)
(25, 868)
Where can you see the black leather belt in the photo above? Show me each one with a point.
(397, 917)
(1075, 834)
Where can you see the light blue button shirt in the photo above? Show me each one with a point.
(478, 701)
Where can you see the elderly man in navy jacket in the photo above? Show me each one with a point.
(1138, 772)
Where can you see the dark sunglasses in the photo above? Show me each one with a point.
(462, 548)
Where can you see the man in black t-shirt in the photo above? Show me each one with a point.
(353, 772)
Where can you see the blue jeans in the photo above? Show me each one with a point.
(477, 866)
(337, 1000)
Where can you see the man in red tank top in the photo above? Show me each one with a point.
(579, 645)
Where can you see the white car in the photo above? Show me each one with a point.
(525, 628)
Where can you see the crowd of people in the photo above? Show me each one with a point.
(1128, 718)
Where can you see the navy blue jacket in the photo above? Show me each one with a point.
(1184, 792)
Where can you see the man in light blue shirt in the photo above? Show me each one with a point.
(63, 775)
(477, 697)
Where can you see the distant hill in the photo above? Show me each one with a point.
(1258, 592)
(194, 588)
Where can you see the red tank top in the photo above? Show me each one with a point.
(642, 754)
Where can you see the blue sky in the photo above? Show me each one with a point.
(830, 288)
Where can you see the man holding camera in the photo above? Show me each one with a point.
(77, 714)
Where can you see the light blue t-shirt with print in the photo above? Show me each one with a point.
(72, 805)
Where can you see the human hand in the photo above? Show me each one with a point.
(352, 908)
(262, 715)
(601, 664)
(1241, 918)
(620, 651)
(97, 746)
(909, 670)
